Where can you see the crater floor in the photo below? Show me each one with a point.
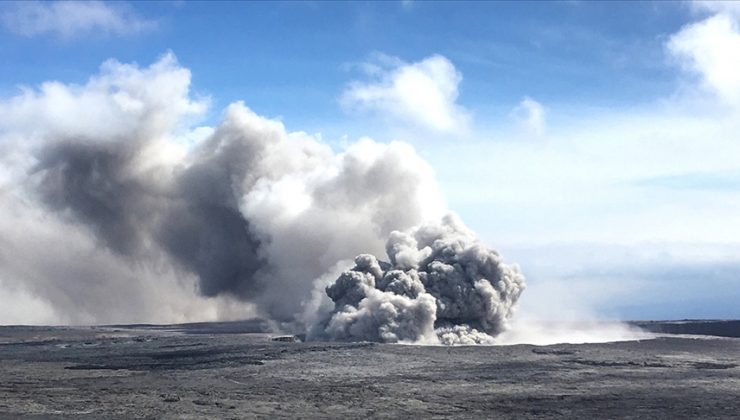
(225, 370)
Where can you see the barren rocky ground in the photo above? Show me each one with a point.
(225, 370)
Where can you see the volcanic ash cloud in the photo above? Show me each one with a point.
(115, 209)
(442, 285)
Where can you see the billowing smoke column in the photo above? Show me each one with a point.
(114, 209)
(441, 285)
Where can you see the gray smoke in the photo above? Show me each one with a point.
(114, 210)
(442, 285)
(194, 217)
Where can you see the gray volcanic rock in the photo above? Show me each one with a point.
(183, 372)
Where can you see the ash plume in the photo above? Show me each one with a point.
(441, 285)
(105, 188)
(115, 208)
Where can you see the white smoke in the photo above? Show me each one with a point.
(442, 285)
(586, 329)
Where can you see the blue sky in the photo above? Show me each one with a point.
(595, 143)
(264, 53)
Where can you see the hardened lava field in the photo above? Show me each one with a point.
(227, 370)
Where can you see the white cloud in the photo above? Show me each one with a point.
(531, 115)
(587, 182)
(69, 19)
(590, 181)
(121, 96)
(711, 49)
(727, 7)
(422, 93)
(407, 4)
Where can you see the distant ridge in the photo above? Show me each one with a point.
(715, 327)
(223, 327)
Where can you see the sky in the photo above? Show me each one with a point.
(596, 144)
